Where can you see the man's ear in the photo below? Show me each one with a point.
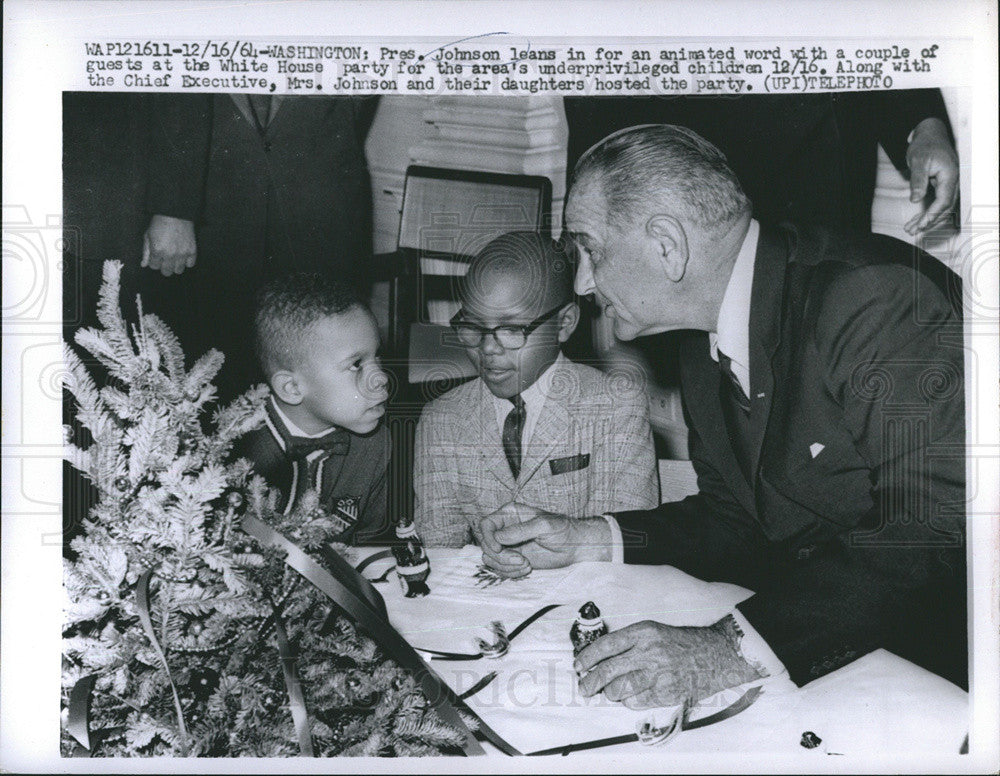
(569, 317)
(672, 245)
(285, 385)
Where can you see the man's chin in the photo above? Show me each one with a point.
(624, 331)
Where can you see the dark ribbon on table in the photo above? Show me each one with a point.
(479, 685)
(439, 655)
(142, 607)
(375, 556)
(356, 596)
(297, 703)
(743, 703)
(78, 724)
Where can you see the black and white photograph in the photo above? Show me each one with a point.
(615, 398)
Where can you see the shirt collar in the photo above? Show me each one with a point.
(293, 429)
(534, 396)
(732, 332)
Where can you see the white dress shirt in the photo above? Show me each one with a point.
(732, 331)
(293, 428)
(534, 397)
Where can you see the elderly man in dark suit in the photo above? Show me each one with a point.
(822, 375)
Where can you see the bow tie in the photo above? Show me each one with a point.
(336, 442)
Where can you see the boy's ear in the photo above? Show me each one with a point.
(285, 385)
(672, 245)
(569, 317)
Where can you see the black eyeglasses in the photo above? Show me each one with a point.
(509, 337)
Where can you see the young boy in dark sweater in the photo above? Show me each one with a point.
(317, 344)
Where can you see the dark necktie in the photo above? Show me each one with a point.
(736, 390)
(513, 426)
(260, 106)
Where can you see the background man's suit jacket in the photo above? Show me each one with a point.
(293, 197)
(591, 452)
(852, 532)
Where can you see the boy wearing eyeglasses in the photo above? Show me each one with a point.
(535, 428)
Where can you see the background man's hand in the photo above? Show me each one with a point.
(548, 541)
(169, 245)
(932, 161)
(649, 664)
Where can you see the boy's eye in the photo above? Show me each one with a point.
(356, 366)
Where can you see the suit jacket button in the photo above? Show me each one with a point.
(267, 147)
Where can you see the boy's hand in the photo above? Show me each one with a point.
(169, 245)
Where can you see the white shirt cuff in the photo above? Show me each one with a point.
(617, 543)
(755, 650)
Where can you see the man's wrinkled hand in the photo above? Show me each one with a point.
(649, 664)
(169, 245)
(549, 541)
(508, 563)
(933, 162)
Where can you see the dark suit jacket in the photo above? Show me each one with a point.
(295, 198)
(852, 531)
(805, 158)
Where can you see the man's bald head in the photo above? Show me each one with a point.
(519, 274)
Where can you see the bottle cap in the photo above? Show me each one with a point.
(589, 613)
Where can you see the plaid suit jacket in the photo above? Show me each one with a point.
(591, 452)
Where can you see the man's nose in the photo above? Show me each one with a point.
(584, 282)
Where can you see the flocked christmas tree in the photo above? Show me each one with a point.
(176, 620)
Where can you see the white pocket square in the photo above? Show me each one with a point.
(816, 448)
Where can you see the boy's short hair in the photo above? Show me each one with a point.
(535, 257)
(287, 306)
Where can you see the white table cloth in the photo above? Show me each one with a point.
(878, 704)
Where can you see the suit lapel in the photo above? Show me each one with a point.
(773, 250)
(272, 116)
(702, 379)
(242, 103)
(483, 420)
(551, 430)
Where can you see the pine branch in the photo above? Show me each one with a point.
(168, 344)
